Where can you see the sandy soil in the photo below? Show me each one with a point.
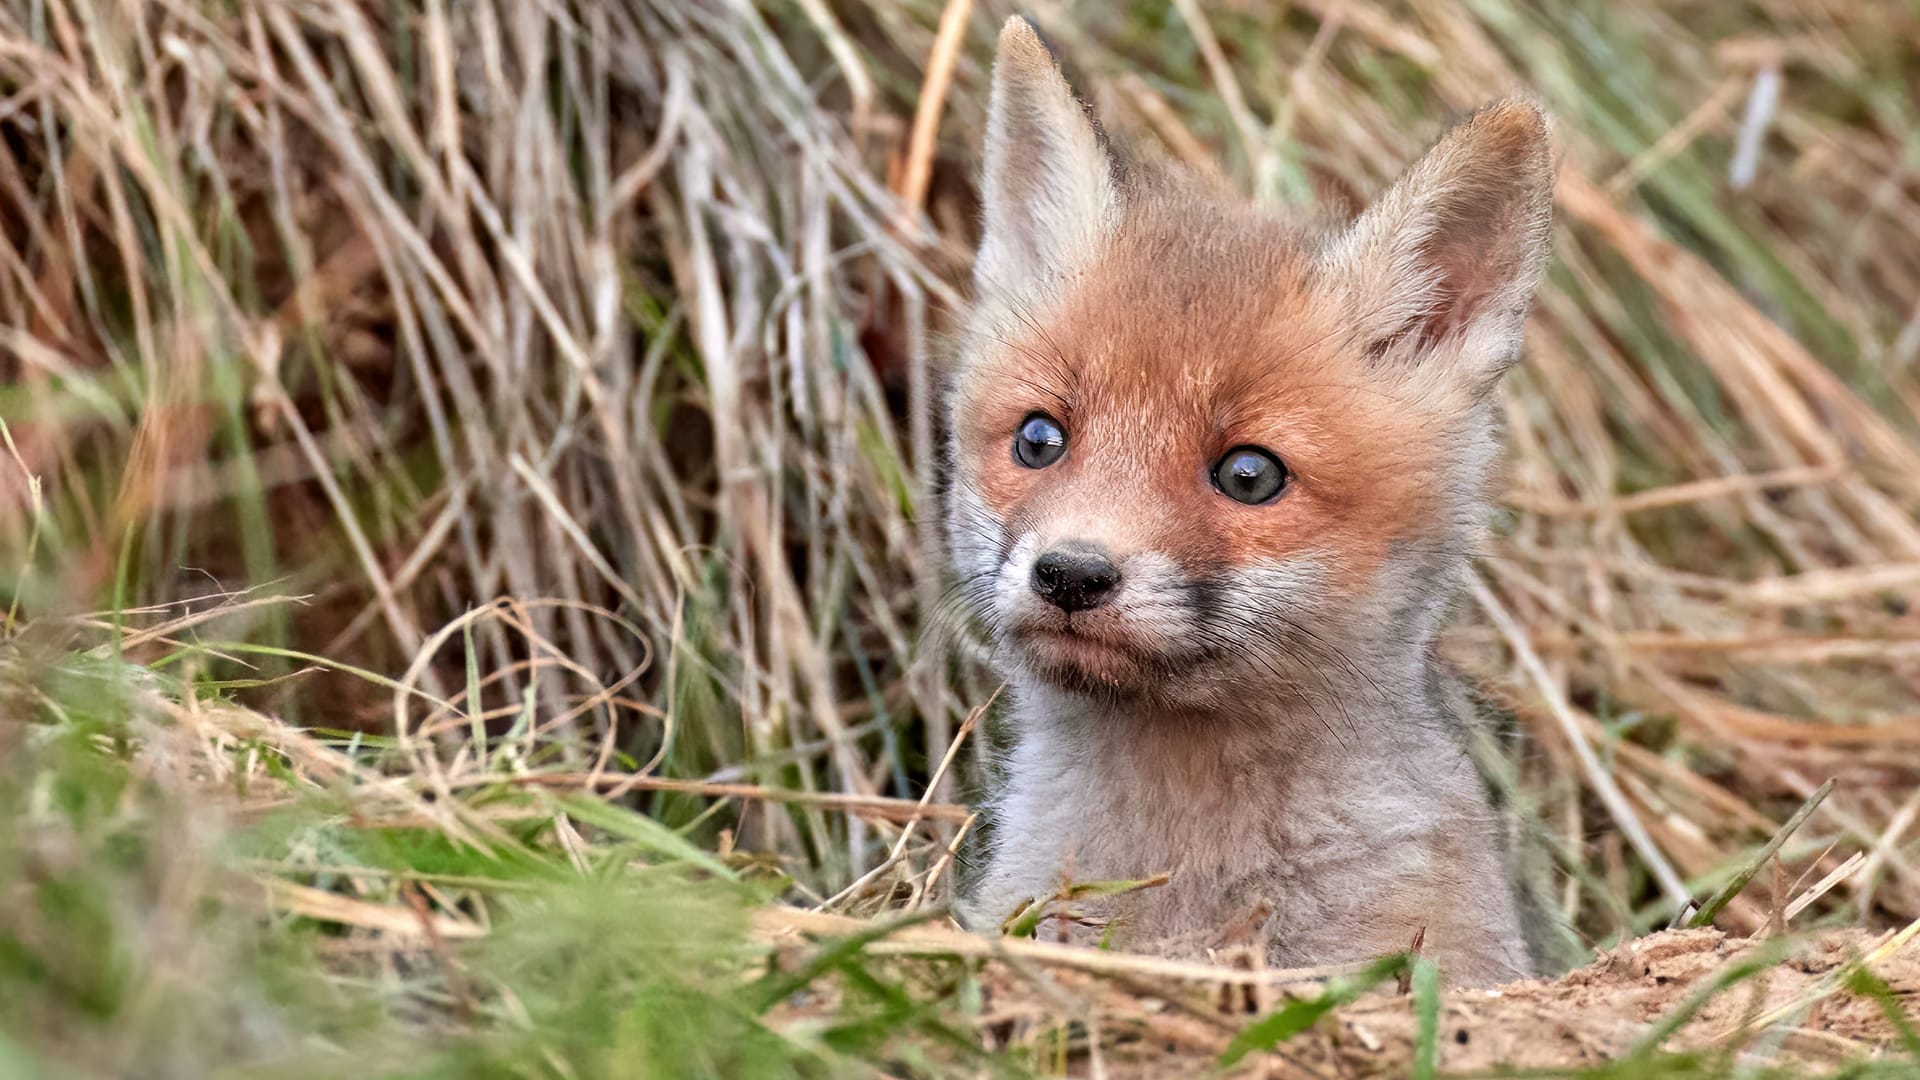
(1085, 1013)
(1793, 1012)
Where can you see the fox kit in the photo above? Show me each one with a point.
(1214, 477)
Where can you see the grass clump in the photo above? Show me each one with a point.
(192, 889)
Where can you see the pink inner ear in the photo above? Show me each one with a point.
(1488, 206)
(1476, 255)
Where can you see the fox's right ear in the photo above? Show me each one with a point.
(1048, 189)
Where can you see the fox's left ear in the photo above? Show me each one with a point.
(1440, 269)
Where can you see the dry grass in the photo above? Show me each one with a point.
(573, 365)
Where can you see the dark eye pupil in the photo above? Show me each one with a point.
(1039, 442)
(1250, 475)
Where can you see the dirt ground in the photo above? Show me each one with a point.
(1600, 1013)
(1794, 1012)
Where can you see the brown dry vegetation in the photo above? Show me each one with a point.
(573, 366)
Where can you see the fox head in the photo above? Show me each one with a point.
(1199, 450)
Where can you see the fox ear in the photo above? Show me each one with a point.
(1048, 188)
(1440, 269)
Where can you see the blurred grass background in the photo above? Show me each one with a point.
(471, 463)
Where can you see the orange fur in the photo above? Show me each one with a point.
(1199, 331)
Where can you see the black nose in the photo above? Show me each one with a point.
(1075, 577)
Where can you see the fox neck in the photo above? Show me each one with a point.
(1103, 789)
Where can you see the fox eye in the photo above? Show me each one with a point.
(1250, 475)
(1039, 442)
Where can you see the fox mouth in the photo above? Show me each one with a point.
(1078, 660)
